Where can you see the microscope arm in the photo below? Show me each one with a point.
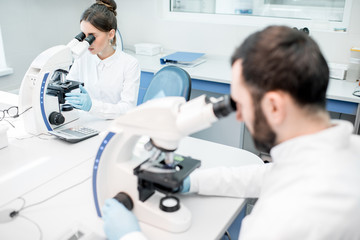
(167, 120)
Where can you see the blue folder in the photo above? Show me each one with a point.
(181, 58)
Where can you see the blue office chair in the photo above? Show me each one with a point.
(169, 81)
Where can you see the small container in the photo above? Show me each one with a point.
(243, 7)
(3, 136)
(353, 72)
(149, 49)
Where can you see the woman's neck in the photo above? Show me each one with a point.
(107, 52)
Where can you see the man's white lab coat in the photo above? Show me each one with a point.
(310, 191)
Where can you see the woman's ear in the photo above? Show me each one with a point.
(112, 34)
(273, 105)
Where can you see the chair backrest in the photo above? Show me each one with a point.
(169, 81)
(119, 40)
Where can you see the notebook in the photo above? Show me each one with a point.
(186, 59)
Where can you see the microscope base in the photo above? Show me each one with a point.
(149, 212)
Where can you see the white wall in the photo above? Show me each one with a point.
(142, 21)
(31, 26)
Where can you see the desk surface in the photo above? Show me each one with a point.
(28, 160)
(36, 168)
(218, 69)
(75, 207)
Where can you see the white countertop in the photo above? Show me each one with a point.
(342, 90)
(218, 69)
(75, 207)
(215, 69)
(28, 160)
(38, 167)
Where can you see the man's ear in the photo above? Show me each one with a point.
(273, 105)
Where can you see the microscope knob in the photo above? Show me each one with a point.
(169, 204)
(125, 199)
(56, 118)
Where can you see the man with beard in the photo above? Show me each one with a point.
(311, 188)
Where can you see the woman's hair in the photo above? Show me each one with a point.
(102, 15)
(281, 58)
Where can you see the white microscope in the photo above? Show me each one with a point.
(144, 175)
(43, 88)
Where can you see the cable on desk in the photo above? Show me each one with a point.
(37, 135)
(56, 194)
(15, 213)
(36, 224)
(45, 134)
(23, 207)
(79, 164)
(24, 202)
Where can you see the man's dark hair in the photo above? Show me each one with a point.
(282, 58)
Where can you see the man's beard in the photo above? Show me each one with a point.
(264, 137)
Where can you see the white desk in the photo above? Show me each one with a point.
(36, 169)
(211, 215)
(29, 161)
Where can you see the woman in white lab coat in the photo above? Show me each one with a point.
(111, 77)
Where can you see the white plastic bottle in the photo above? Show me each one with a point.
(353, 72)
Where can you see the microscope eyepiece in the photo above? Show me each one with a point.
(80, 36)
(224, 106)
(90, 39)
(78, 49)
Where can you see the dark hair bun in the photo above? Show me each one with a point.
(110, 4)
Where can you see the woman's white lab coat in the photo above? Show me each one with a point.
(112, 83)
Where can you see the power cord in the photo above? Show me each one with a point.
(38, 136)
(36, 224)
(16, 213)
(51, 179)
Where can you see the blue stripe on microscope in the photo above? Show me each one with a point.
(42, 106)
(95, 169)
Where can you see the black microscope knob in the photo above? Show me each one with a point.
(125, 199)
(169, 204)
(56, 118)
